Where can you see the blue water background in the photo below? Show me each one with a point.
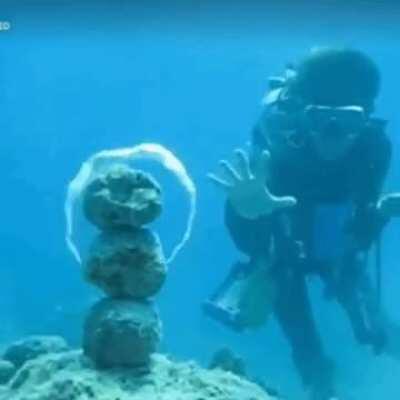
(73, 82)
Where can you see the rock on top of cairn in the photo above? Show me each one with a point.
(126, 263)
(122, 197)
(121, 333)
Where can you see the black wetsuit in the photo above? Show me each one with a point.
(357, 178)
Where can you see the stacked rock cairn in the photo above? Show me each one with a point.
(126, 262)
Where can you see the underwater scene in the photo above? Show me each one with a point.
(200, 200)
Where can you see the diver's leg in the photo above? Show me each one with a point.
(355, 293)
(392, 328)
(294, 314)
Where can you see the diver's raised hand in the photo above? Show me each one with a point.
(246, 187)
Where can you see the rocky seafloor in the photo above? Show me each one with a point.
(69, 375)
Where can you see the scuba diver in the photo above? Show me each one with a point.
(306, 198)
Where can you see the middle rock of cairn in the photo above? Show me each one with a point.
(126, 261)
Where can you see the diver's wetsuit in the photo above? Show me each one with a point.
(357, 179)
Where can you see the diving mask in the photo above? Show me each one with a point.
(347, 121)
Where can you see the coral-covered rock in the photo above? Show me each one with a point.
(68, 376)
(33, 346)
(7, 370)
(121, 333)
(122, 197)
(226, 360)
(126, 263)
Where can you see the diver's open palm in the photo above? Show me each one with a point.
(246, 189)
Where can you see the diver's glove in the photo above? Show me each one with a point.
(246, 187)
(389, 205)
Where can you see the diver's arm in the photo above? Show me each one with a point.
(250, 205)
(250, 236)
(370, 217)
